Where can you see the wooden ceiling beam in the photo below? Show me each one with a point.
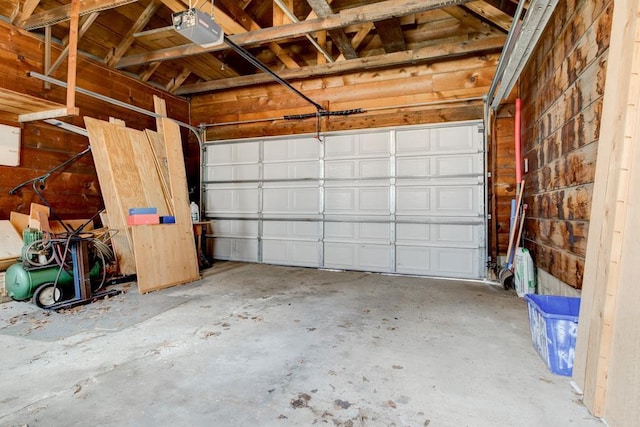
(28, 7)
(465, 18)
(63, 13)
(339, 37)
(507, 6)
(177, 81)
(357, 40)
(148, 72)
(490, 14)
(427, 54)
(346, 17)
(144, 18)
(250, 25)
(391, 35)
(85, 24)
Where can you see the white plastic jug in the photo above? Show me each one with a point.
(195, 212)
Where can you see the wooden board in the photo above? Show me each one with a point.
(128, 164)
(16, 103)
(122, 245)
(606, 367)
(10, 241)
(19, 221)
(162, 265)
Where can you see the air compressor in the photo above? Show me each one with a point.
(54, 270)
(40, 284)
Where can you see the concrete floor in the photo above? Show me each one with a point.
(257, 345)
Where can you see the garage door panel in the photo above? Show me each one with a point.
(236, 249)
(456, 200)
(456, 138)
(357, 201)
(374, 200)
(413, 141)
(349, 169)
(456, 234)
(298, 170)
(413, 200)
(340, 200)
(295, 253)
(455, 262)
(235, 228)
(407, 233)
(290, 200)
(233, 173)
(287, 229)
(291, 150)
(232, 200)
(358, 256)
(357, 145)
(414, 166)
(456, 165)
(413, 260)
(349, 232)
(246, 152)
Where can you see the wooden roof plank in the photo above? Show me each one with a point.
(250, 25)
(393, 59)
(63, 13)
(346, 17)
(490, 14)
(391, 35)
(28, 7)
(342, 42)
(144, 18)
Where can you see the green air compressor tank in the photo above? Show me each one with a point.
(21, 284)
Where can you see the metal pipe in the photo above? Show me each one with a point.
(122, 104)
(372, 178)
(343, 220)
(115, 102)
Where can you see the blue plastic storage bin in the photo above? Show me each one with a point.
(554, 326)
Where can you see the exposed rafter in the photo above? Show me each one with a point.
(63, 13)
(115, 55)
(322, 9)
(391, 34)
(435, 53)
(357, 15)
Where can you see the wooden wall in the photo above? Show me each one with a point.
(386, 95)
(562, 90)
(73, 193)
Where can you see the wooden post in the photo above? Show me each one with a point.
(72, 61)
(47, 54)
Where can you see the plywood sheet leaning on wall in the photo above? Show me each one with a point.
(101, 137)
(126, 159)
(175, 261)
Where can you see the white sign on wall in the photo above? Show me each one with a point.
(9, 145)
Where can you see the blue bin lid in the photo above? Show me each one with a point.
(555, 306)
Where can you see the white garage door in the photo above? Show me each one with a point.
(405, 200)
